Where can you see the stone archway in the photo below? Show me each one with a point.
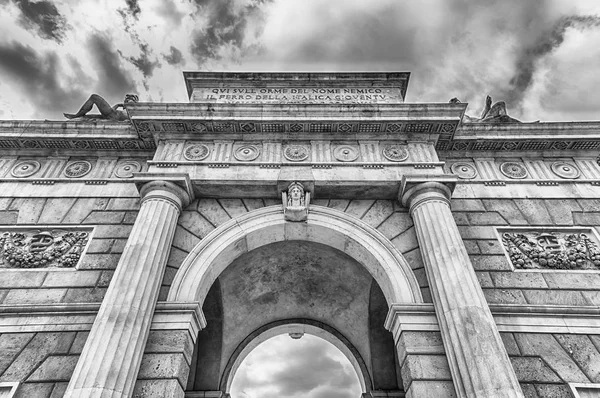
(307, 326)
(325, 226)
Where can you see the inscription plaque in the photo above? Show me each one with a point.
(298, 95)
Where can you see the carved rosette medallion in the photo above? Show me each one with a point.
(25, 169)
(127, 168)
(552, 249)
(41, 248)
(196, 152)
(395, 153)
(246, 153)
(345, 153)
(295, 153)
(565, 170)
(513, 170)
(78, 169)
(464, 170)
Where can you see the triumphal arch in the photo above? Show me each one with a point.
(146, 253)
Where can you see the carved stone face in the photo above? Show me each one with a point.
(296, 193)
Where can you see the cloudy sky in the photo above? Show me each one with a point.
(306, 368)
(540, 56)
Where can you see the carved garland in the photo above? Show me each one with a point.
(42, 249)
(553, 250)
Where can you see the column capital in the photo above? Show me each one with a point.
(175, 187)
(415, 190)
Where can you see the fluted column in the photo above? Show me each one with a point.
(479, 364)
(111, 357)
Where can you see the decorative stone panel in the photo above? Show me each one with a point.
(45, 247)
(551, 248)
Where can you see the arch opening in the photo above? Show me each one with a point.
(326, 226)
(277, 335)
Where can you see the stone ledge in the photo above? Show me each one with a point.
(80, 317)
(509, 318)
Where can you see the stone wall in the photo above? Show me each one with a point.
(477, 218)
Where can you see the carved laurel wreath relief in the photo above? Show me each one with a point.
(42, 248)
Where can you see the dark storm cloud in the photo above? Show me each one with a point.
(174, 57)
(143, 62)
(38, 76)
(42, 17)
(546, 43)
(133, 8)
(227, 21)
(113, 79)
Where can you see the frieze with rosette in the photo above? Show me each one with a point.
(346, 153)
(25, 169)
(295, 153)
(395, 153)
(464, 170)
(126, 168)
(565, 170)
(513, 170)
(246, 153)
(78, 168)
(196, 152)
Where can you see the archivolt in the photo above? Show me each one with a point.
(326, 226)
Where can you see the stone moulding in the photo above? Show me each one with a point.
(513, 318)
(80, 317)
(572, 249)
(48, 247)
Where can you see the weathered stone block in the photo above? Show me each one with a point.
(485, 218)
(583, 351)
(160, 341)
(518, 279)
(79, 211)
(105, 278)
(490, 247)
(233, 207)
(42, 345)
(338, 204)
(22, 278)
(484, 279)
(195, 223)
(438, 389)
(510, 344)
(100, 261)
(553, 391)
(184, 240)
(9, 217)
(554, 297)
(529, 391)
(414, 258)
(55, 368)
(99, 246)
(406, 241)
(534, 211)
(55, 210)
(378, 213)
(164, 366)
(118, 246)
(533, 370)
(112, 231)
(176, 257)
(471, 246)
(419, 343)
(589, 205)
(29, 209)
(79, 278)
(358, 208)
(130, 217)
(460, 218)
(104, 217)
(79, 342)
(211, 210)
(123, 204)
(467, 205)
(11, 345)
(570, 280)
(395, 224)
(546, 347)
(254, 204)
(158, 389)
(507, 209)
(504, 296)
(425, 367)
(34, 390)
(59, 390)
(593, 298)
(490, 263)
(561, 210)
(84, 295)
(34, 296)
(477, 232)
(591, 219)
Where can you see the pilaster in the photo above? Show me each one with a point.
(111, 357)
(478, 361)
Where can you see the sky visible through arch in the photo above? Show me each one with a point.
(309, 367)
(540, 56)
